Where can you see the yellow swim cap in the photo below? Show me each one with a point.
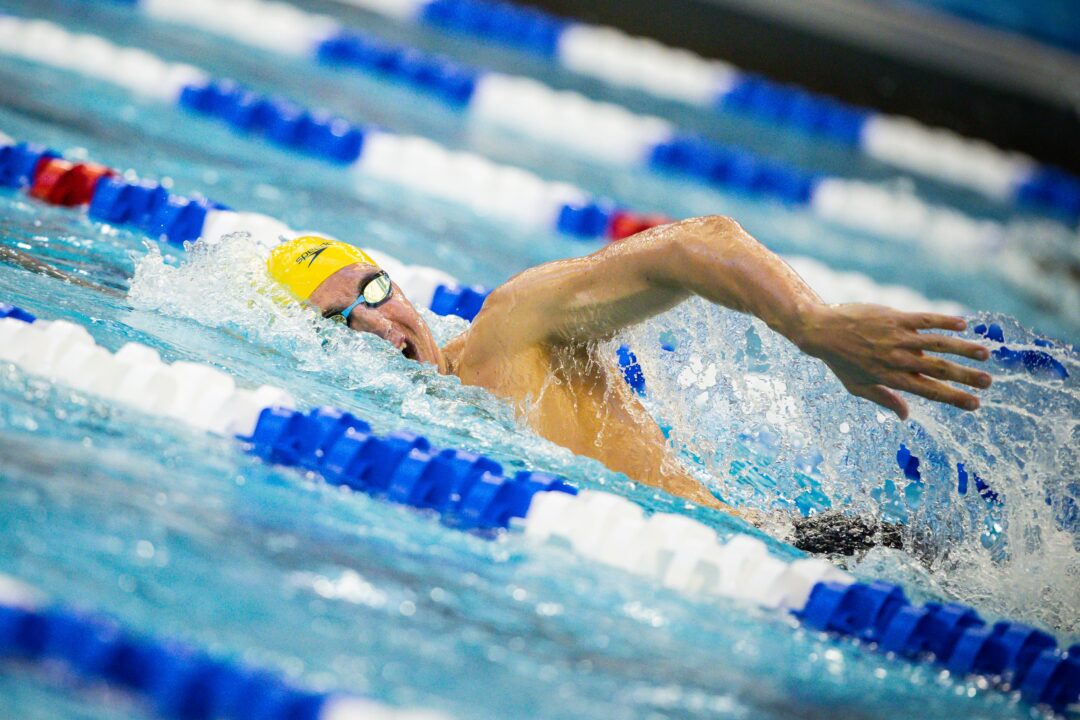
(302, 264)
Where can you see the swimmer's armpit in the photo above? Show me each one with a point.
(12, 256)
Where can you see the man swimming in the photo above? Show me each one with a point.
(534, 342)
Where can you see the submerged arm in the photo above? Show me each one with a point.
(31, 263)
(870, 348)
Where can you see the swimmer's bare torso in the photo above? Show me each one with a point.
(576, 397)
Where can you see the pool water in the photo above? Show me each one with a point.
(182, 534)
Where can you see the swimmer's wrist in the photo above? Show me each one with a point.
(802, 324)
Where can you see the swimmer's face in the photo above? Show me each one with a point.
(395, 320)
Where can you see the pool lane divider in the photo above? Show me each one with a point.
(471, 492)
(116, 199)
(175, 679)
(601, 130)
(491, 190)
(617, 58)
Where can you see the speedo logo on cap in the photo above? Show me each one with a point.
(311, 254)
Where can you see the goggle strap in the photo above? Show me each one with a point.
(348, 311)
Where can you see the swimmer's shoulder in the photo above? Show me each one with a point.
(491, 356)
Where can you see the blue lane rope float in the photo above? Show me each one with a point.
(1018, 656)
(470, 492)
(15, 313)
(175, 679)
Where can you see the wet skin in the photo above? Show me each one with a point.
(535, 341)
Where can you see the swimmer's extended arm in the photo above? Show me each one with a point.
(31, 263)
(870, 348)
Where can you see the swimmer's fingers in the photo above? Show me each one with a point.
(883, 396)
(935, 390)
(936, 367)
(933, 321)
(933, 342)
(939, 368)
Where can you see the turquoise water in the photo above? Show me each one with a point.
(182, 534)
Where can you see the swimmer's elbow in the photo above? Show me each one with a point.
(704, 232)
(720, 224)
(698, 238)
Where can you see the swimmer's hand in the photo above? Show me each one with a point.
(875, 350)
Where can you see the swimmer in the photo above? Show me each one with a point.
(535, 341)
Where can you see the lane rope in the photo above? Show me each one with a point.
(489, 189)
(615, 57)
(175, 679)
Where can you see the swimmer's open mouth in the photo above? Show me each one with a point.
(409, 350)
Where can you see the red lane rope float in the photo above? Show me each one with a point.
(59, 182)
(626, 223)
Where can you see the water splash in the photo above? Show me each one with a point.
(774, 429)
